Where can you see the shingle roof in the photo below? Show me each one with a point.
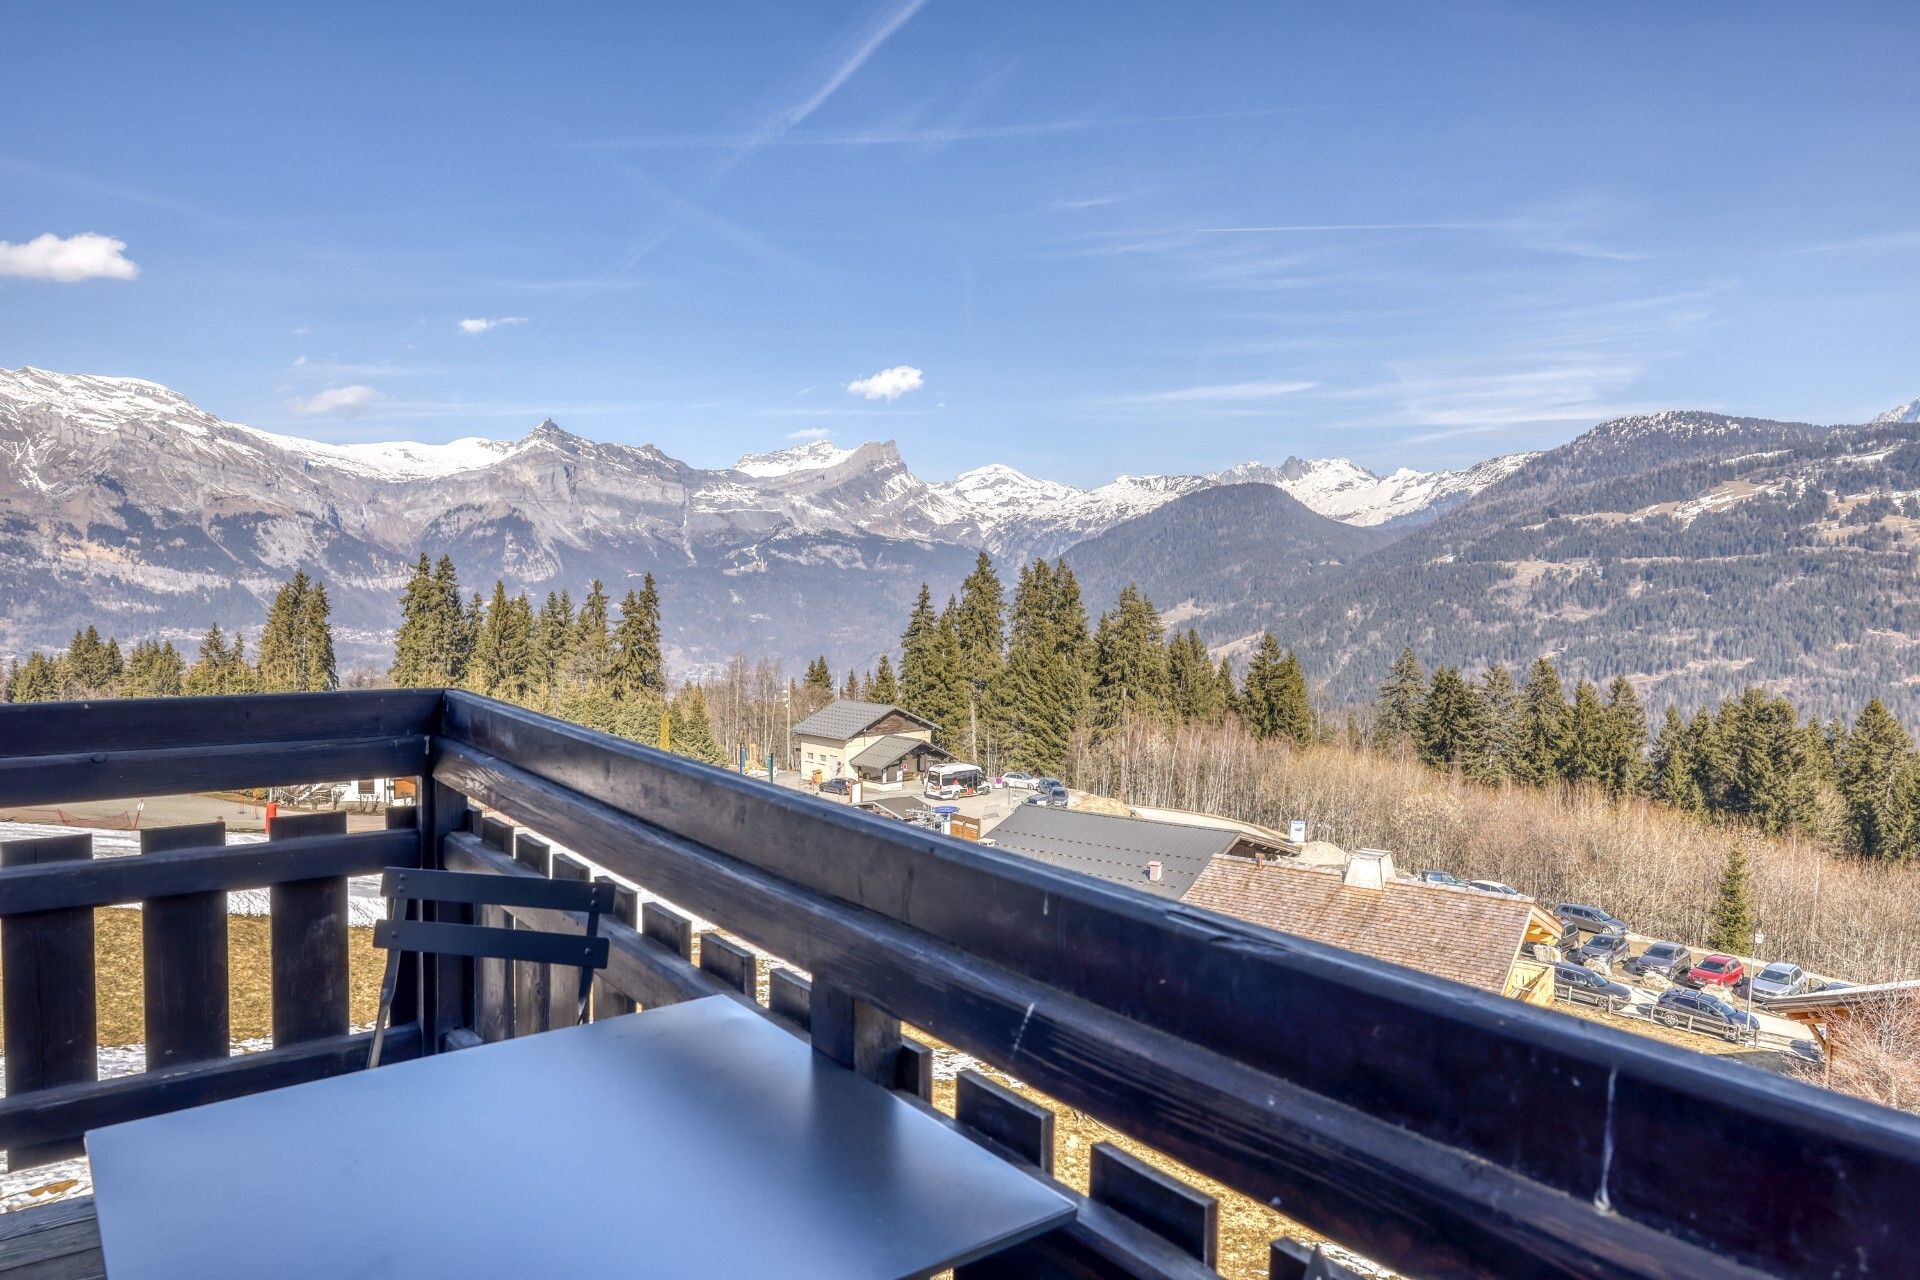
(1461, 934)
(1114, 848)
(891, 748)
(845, 718)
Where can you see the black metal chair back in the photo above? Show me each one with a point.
(405, 888)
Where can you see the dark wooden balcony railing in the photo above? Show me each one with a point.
(1438, 1129)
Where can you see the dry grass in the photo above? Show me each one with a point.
(1838, 915)
(1875, 1051)
(120, 976)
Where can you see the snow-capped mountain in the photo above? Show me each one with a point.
(1350, 493)
(812, 456)
(1908, 412)
(1022, 516)
(123, 503)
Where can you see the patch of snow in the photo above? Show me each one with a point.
(1908, 412)
(816, 455)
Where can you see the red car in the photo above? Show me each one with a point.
(1716, 971)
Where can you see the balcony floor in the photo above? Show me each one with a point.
(53, 1242)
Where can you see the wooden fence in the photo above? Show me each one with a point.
(1439, 1129)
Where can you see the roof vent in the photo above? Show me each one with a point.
(1368, 869)
(1153, 871)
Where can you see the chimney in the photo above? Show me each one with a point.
(1368, 869)
(1153, 872)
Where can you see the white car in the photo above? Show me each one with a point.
(1024, 781)
(1494, 886)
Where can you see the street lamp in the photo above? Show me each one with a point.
(1758, 938)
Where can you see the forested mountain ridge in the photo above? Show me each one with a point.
(1694, 552)
(1213, 552)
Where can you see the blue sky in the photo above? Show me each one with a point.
(1110, 238)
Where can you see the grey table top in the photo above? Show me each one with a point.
(693, 1140)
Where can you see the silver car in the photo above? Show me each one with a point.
(1776, 980)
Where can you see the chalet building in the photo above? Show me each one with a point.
(873, 741)
(1481, 939)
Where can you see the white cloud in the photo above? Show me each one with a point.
(483, 324)
(888, 384)
(810, 433)
(299, 362)
(345, 401)
(1223, 392)
(83, 257)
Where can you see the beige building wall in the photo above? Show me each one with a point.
(829, 758)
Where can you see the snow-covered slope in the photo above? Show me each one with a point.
(1908, 412)
(813, 456)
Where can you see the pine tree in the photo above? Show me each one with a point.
(590, 664)
(319, 669)
(1043, 691)
(427, 646)
(1872, 761)
(1130, 679)
(552, 633)
(447, 642)
(1229, 690)
(154, 670)
(1450, 729)
(1396, 711)
(917, 677)
(1731, 927)
(1762, 763)
(205, 675)
(1545, 729)
(819, 681)
(413, 642)
(1196, 695)
(882, 687)
(980, 625)
(637, 664)
(692, 727)
(943, 698)
(91, 667)
(35, 680)
(1586, 739)
(1500, 703)
(852, 688)
(1675, 772)
(281, 665)
(1623, 741)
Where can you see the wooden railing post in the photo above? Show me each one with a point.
(855, 1034)
(608, 1003)
(184, 949)
(406, 990)
(532, 982)
(46, 970)
(309, 942)
(446, 982)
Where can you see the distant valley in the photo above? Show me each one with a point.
(1693, 551)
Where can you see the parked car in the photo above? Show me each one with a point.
(1668, 959)
(1776, 980)
(1716, 971)
(1699, 1011)
(1602, 949)
(1018, 778)
(1591, 919)
(1494, 886)
(1584, 986)
(1049, 793)
(1432, 876)
(836, 787)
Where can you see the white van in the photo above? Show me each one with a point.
(951, 781)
